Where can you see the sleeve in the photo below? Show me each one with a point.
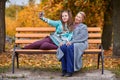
(70, 36)
(80, 36)
(50, 22)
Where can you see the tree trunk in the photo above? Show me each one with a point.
(107, 32)
(2, 25)
(107, 28)
(116, 28)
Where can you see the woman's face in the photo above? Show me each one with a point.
(65, 17)
(78, 18)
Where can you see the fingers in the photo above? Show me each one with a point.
(61, 44)
(41, 14)
(68, 43)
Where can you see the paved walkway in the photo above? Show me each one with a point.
(27, 75)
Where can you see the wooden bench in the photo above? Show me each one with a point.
(27, 35)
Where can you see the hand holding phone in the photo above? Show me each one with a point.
(41, 14)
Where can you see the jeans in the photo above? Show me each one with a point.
(67, 60)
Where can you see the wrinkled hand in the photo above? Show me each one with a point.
(41, 14)
(68, 43)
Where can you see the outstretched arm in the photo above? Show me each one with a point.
(49, 21)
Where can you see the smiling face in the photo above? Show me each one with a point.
(65, 17)
(78, 18)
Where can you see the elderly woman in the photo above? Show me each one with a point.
(70, 54)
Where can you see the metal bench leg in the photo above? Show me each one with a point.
(102, 61)
(13, 61)
(98, 60)
(17, 59)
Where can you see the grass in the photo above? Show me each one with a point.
(39, 69)
(116, 70)
(4, 69)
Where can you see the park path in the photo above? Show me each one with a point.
(42, 75)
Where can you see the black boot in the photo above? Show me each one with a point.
(68, 74)
(63, 73)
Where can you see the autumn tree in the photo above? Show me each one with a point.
(11, 10)
(116, 27)
(107, 27)
(2, 25)
(31, 2)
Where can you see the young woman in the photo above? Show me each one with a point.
(61, 35)
(70, 53)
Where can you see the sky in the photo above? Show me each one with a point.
(19, 2)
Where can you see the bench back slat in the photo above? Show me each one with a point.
(31, 35)
(35, 29)
(40, 29)
(27, 35)
(42, 35)
(28, 41)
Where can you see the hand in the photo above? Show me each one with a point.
(61, 44)
(68, 43)
(41, 14)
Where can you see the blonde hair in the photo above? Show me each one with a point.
(83, 14)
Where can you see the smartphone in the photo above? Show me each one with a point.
(41, 14)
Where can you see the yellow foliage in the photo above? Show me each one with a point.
(49, 60)
(10, 26)
(51, 10)
(29, 18)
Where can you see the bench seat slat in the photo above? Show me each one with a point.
(51, 51)
(23, 41)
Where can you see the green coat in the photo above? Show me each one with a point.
(59, 29)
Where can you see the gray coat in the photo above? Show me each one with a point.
(80, 37)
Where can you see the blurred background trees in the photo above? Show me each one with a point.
(27, 16)
(24, 16)
(99, 14)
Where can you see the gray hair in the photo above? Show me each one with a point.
(83, 14)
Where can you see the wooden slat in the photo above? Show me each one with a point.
(27, 41)
(92, 50)
(42, 35)
(23, 41)
(31, 35)
(97, 29)
(42, 29)
(52, 51)
(35, 51)
(94, 41)
(94, 35)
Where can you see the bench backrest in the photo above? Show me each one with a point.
(29, 35)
